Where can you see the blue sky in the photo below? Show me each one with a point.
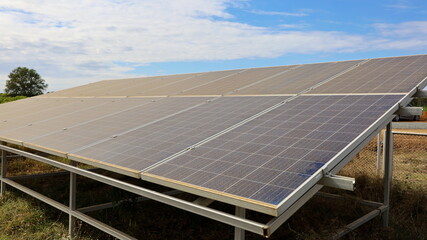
(76, 42)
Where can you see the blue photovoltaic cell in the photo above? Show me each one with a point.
(267, 158)
(148, 145)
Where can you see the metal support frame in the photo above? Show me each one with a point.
(202, 201)
(217, 215)
(340, 182)
(239, 221)
(421, 94)
(388, 159)
(352, 226)
(239, 234)
(3, 171)
(72, 204)
(379, 144)
(111, 204)
(407, 111)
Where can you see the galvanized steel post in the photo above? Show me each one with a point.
(3, 171)
(388, 167)
(72, 204)
(239, 234)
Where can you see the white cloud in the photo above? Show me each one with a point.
(294, 26)
(406, 29)
(288, 14)
(400, 4)
(71, 42)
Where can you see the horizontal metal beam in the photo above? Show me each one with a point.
(202, 201)
(410, 133)
(223, 217)
(352, 226)
(421, 94)
(91, 221)
(51, 174)
(407, 111)
(361, 201)
(340, 182)
(111, 204)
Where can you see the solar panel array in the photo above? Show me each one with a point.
(267, 158)
(250, 137)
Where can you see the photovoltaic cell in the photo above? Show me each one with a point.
(48, 115)
(268, 158)
(384, 75)
(177, 87)
(298, 79)
(107, 122)
(121, 87)
(145, 146)
(233, 82)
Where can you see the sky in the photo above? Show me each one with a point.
(71, 43)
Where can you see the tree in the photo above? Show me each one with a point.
(25, 82)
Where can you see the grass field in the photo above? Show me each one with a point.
(22, 217)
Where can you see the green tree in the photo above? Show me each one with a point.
(25, 82)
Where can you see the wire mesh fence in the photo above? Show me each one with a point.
(409, 159)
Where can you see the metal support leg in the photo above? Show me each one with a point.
(379, 154)
(388, 159)
(239, 234)
(3, 171)
(72, 205)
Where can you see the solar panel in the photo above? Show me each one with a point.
(126, 115)
(384, 75)
(178, 87)
(150, 144)
(233, 82)
(122, 87)
(217, 146)
(267, 159)
(297, 79)
(47, 115)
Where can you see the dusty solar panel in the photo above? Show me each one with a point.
(231, 83)
(297, 79)
(18, 117)
(122, 87)
(127, 114)
(177, 87)
(150, 144)
(266, 159)
(65, 114)
(383, 75)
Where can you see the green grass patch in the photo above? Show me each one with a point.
(4, 98)
(20, 218)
